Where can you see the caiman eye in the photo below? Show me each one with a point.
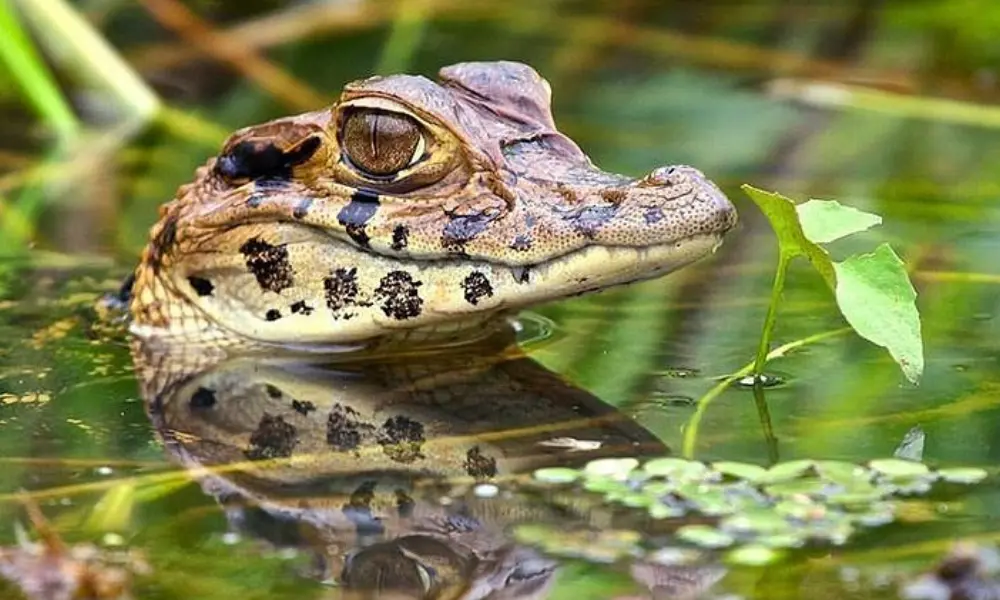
(381, 143)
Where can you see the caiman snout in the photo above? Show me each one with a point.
(711, 208)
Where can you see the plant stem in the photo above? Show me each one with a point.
(691, 428)
(772, 316)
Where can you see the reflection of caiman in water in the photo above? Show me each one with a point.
(353, 460)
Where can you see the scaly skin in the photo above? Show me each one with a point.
(408, 207)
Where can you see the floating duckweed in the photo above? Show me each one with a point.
(754, 555)
(796, 487)
(963, 475)
(557, 475)
(606, 486)
(744, 471)
(600, 546)
(705, 536)
(615, 468)
(785, 506)
(761, 521)
(675, 556)
(676, 468)
(783, 540)
(897, 468)
(787, 470)
(844, 473)
(659, 510)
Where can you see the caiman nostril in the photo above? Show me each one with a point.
(660, 176)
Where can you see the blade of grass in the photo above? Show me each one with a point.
(80, 50)
(404, 37)
(33, 76)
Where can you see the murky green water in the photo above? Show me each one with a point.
(636, 85)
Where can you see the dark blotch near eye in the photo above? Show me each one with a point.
(273, 315)
(203, 398)
(272, 391)
(477, 286)
(202, 287)
(256, 159)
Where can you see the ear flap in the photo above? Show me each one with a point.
(511, 90)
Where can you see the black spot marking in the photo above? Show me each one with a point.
(614, 196)
(462, 228)
(258, 159)
(401, 439)
(479, 465)
(202, 398)
(303, 407)
(568, 195)
(119, 300)
(341, 288)
(301, 307)
(521, 274)
(202, 287)
(356, 214)
(273, 391)
(589, 220)
(477, 286)
(654, 215)
(268, 263)
(398, 294)
(400, 233)
(302, 208)
(521, 243)
(162, 243)
(273, 438)
(273, 314)
(344, 428)
(358, 510)
(404, 504)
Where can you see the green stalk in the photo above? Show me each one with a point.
(691, 429)
(30, 72)
(771, 318)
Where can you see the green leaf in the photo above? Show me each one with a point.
(875, 296)
(894, 467)
(912, 445)
(792, 240)
(963, 475)
(557, 475)
(824, 221)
